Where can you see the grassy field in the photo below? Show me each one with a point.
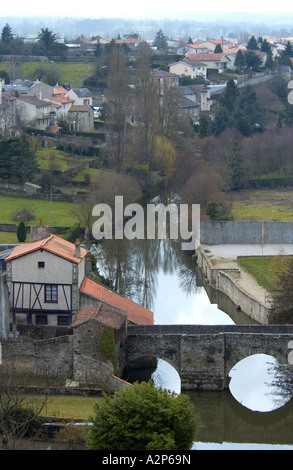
(263, 269)
(70, 407)
(271, 205)
(71, 72)
(53, 214)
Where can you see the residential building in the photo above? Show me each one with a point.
(80, 96)
(188, 67)
(220, 62)
(81, 118)
(8, 125)
(34, 112)
(61, 104)
(43, 278)
(164, 78)
(29, 87)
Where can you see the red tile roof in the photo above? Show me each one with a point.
(52, 244)
(135, 313)
(103, 313)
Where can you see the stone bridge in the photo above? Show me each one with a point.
(204, 355)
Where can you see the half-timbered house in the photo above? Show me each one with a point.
(43, 278)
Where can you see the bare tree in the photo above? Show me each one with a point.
(19, 412)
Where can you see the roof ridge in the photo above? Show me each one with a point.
(47, 239)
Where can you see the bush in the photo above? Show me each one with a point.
(143, 417)
(22, 422)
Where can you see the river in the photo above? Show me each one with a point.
(253, 413)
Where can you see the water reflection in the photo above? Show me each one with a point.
(253, 383)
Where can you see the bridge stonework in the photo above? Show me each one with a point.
(204, 355)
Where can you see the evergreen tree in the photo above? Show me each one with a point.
(218, 49)
(236, 166)
(6, 34)
(46, 38)
(252, 44)
(21, 232)
(239, 60)
(204, 126)
(288, 51)
(160, 41)
(230, 95)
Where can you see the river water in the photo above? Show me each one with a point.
(254, 413)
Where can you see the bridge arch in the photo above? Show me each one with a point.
(256, 383)
(203, 355)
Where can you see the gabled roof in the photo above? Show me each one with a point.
(79, 108)
(60, 99)
(135, 313)
(103, 313)
(53, 244)
(33, 100)
(59, 90)
(82, 92)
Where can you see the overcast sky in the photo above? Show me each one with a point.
(134, 8)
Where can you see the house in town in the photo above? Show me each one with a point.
(8, 125)
(48, 286)
(219, 62)
(189, 68)
(43, 279)
(61, 104)
(80, 96)
(34, 112)
(196, 100)
(81, 118)
(163, 78)
(29, 87)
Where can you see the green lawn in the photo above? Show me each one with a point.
(263, 269)
(71, 72)
(70, 407)
(53, 214)
(270, 205)
(53, 159)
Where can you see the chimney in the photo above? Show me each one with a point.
(77, 249)
(38, 232)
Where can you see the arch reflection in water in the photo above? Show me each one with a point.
(166, 376)
(257, 382)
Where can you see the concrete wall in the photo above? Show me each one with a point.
(212, 233)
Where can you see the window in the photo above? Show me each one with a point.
(63, 320)
(51, 293)
(41, 264)
(41, 320)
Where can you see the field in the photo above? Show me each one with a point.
(70, 407)
(54, 214)
(270, 205)
(71, 72)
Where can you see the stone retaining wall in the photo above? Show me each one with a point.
(224, 280)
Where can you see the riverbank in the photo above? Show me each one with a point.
(220, 268)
